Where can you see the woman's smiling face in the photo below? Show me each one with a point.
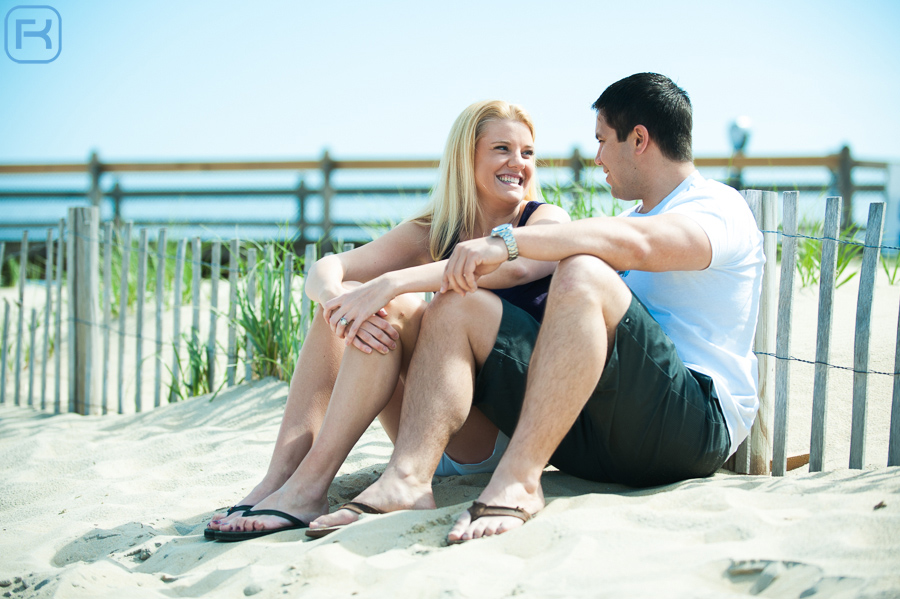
(504, 161)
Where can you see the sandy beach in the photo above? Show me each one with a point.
(115, 506)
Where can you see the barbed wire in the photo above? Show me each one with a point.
(816, 362)
(843, 241)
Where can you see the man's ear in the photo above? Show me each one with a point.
(641, 139)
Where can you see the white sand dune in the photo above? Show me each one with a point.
(115, 506)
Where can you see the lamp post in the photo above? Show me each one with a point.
(740, 136)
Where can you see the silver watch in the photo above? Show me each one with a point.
(504, 232)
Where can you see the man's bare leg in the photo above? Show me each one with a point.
(364, 386)
(586, 302)
(457, 336)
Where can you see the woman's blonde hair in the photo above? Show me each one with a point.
(453, 206)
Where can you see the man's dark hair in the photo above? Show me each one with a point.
(655, 102)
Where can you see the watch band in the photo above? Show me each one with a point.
(504, 232)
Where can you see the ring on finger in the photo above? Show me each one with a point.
(343, 322)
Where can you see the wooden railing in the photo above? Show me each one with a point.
(840, 165)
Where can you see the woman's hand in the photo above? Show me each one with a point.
(470, 261)
(358, 316)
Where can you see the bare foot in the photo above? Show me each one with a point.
(305, 509)
(260, 492)
(390, 493)
(502, 493)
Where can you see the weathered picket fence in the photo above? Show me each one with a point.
(90, 329)
(83, 300)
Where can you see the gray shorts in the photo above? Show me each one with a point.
(650, 420)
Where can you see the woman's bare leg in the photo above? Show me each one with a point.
(311, 385)
(364, 388)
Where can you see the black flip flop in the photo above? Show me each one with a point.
(210, 534)
(231, 536)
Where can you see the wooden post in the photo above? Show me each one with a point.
(327, 193)
(753, 455)
(231, 367)
(71, 236)
(823, 337)
(123, 309)
(115, 195)
(48, 308)
(20, 337)
(286, 292)
(160, 291)
(176, 322)
(577, 165)
(845, 185)
(139, 332)
(213, 313)
(267, 280)
(57, 385)
(251, 304)
(95, 169)
(305, 303)
(107, 312)
(83, 272)
(196, 265)
(4, 340)
(861, 343)
(783, 340)
(31, 357)
(302, 193)
(894, 442)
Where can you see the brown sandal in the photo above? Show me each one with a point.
(481, 510)
(354, 506)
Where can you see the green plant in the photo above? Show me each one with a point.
(583, 199)
(848, 251)
(809, 252)
(275, 336)
(194, 373)
(891, 267)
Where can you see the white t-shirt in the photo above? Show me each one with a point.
(710, 315)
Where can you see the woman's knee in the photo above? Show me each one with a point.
(405, 308)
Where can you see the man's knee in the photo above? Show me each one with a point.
(452, 307)
(586, 279)
(475, 316)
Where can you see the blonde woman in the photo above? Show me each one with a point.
(368, 300)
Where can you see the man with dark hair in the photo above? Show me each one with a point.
(642, 372)
(657, 103)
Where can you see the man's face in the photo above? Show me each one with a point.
(616, 158)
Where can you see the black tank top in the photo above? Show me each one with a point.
(531, 297)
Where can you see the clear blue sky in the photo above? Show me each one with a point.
(279, 79)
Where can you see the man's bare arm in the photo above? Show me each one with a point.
(654, 243)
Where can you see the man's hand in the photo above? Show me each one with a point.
(470, 261)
